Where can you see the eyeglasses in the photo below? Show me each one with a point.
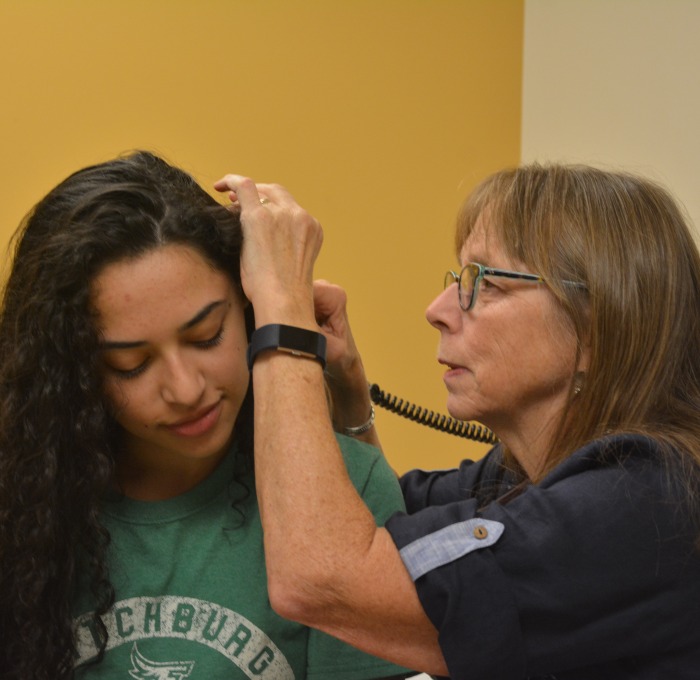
(472, 274)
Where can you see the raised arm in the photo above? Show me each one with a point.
(329, 566)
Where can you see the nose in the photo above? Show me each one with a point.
(444, 310)
(182, 383)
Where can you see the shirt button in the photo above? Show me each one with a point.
(480, 532)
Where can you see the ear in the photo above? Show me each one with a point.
(584, 356)
(584, 359)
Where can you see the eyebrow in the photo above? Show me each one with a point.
(485, 259)
(197, 318)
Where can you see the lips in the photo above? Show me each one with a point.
(449, 365)
(199, 424)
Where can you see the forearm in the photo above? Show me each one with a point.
(351, 405)
(328, 564)
(309, 536)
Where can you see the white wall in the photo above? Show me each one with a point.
(616, 83)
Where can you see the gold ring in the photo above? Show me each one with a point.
(263, 201)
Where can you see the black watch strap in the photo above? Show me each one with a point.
(298, 341)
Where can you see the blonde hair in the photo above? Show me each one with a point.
(627, 240)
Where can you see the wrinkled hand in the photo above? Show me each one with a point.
(281, 242)
(345, 373)
(330, 304)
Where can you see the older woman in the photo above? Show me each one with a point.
(571, 327)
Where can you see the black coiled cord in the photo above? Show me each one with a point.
(437, 421)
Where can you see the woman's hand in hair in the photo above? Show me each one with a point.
(280, 246)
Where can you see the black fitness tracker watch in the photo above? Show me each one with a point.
(297, 341)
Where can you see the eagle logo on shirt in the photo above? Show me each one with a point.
(145, 669)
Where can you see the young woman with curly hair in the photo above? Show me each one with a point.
(130, 538)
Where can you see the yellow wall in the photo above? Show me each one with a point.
(378, 115)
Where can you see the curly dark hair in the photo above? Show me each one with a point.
(57, 437)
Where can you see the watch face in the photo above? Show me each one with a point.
(297, 341)
(301, 340)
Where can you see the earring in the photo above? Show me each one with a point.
(578, 382)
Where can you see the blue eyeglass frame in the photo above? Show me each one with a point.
(481, 271)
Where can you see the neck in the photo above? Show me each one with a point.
(155, 478)
(529, 441)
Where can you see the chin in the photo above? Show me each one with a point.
(461, 411)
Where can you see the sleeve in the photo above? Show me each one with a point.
(576, 572)
(423, 488)
(377, 484)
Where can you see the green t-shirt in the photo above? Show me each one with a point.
(191, 590)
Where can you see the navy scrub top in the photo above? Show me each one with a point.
(593, 573)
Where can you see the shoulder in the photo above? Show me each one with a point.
(617, 470)
(631, 463)
(621, 447)
(608, 490)
(360, 458)
(372, 477)
(482, 479)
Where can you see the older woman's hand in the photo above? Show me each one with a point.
(345, 374)
(281, 243)
(331, 315)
